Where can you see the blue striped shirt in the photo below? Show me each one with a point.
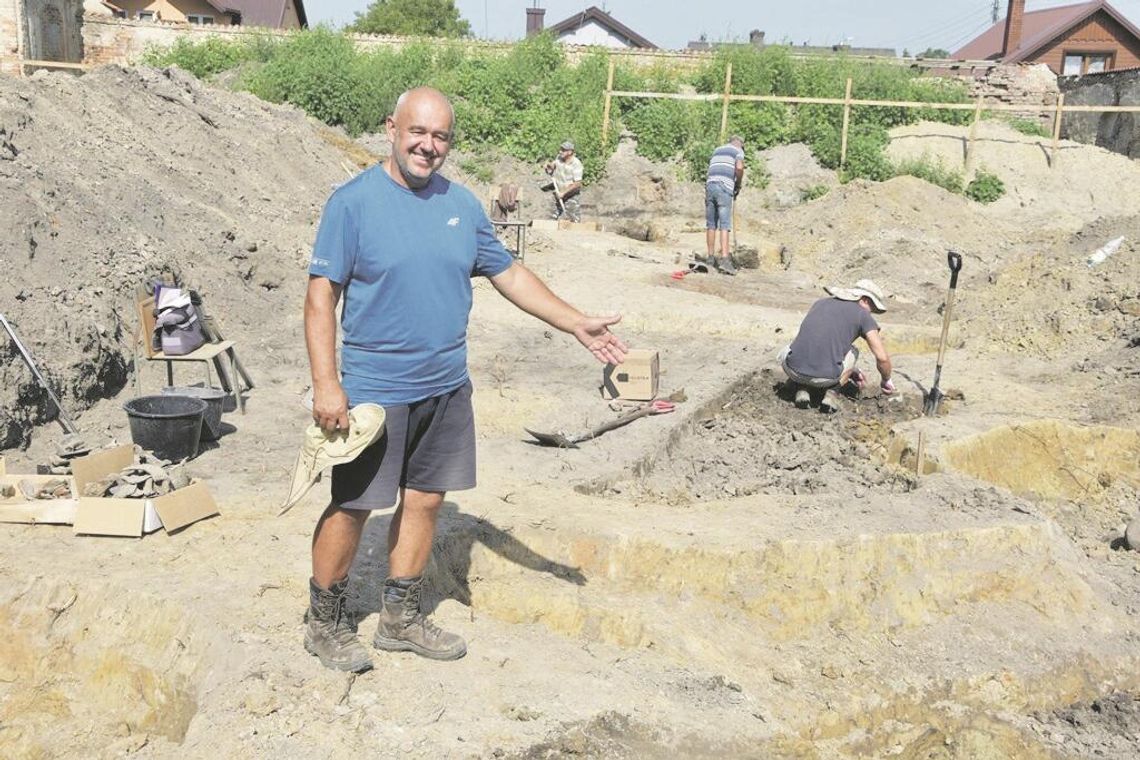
(722, 166)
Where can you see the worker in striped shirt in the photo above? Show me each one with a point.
(726, 173)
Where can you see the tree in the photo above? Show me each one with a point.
(934, 53)
(427, 18)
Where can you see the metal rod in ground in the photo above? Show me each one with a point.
(920, 455)
(64, 420)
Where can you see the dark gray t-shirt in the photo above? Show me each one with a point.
(826, 335)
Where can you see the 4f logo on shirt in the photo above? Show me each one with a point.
(453, 221)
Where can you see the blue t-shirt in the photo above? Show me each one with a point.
(405, 259)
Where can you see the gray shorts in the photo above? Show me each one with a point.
(426, 446)
(718, 208)
(817, 382)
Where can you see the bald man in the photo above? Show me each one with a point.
(400, 244)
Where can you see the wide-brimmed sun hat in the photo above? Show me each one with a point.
(322, 449)
(861, 288)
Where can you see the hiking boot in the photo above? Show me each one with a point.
(330, 632)
(803, 399)
(725, 266)
(404, 628)
(830, 403)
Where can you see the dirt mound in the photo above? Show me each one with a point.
(115, 177)
(1084, 185)
(792, 170)
(1051, 300)
(895, 232)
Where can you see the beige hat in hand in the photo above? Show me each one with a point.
(323, 449)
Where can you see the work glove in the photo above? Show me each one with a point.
(887, 387)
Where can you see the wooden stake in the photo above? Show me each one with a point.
(920, 456)
(609, 98)
(969, 160)
(846, 122)
(727, 98)
(1057, 129)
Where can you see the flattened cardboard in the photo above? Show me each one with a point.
(634, 379)
(94, 467)
(110, 517)
(46, 512)
(180, 508)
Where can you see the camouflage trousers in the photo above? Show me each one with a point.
(573, 209)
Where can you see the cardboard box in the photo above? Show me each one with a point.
(635, 378)
(134, 517)
(20, 509)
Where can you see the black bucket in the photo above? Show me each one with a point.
(214, 397)
(168, 426)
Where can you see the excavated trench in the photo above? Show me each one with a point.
(85, 666)
(751, 439)
(1050, 459)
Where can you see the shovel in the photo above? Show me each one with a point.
(74, 446)
(934, 396)
(563, 441)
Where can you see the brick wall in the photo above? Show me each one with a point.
(9, 37)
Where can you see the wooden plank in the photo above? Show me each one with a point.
(1003, 107)
(727, 100)
(609, 99)
(846, 123)
(32, 63)
(969, 157)
(920, 455)
(1057, 129)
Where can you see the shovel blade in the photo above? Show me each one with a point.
(930, 405)
(552, 439)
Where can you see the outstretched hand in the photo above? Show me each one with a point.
(594, 333)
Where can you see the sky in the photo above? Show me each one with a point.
(914, 25)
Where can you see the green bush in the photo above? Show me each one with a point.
(985, 187)
(211, 56)
(528, 101)
(812, 192)
(1029, 127)
(933, 172)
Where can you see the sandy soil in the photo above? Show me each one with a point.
(740, 578)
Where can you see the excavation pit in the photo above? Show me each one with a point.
(90, 668)
(1050, 459)
(753, 440)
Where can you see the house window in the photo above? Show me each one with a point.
(145, 16)
(1086, 63)
(119, 14)
(198, 19)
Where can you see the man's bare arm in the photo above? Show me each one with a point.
(525, 290)
(330, 404)
(882, 359)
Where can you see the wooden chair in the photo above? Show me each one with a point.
(513, 221)
(209, 353)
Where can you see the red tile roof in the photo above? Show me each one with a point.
(267, 13)
(1038, 28)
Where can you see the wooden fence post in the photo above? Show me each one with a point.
(969, 158)
(727, 97)
(1057, 129)
(846, 122)
(606, 108)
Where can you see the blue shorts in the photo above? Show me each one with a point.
(427, 446)
(718, 208)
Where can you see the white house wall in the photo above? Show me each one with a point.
(592, 33)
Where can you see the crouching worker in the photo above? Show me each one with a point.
(822, 356)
